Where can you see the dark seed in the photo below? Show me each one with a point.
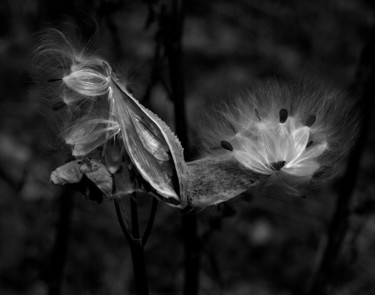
(310, 120)
(226, 145)
(257, 114)
(58, 105)
(283, 115)
(309, 144)
(278, 165)
(54, 80)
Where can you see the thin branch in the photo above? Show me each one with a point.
(136, 248)
(150, 222)
(135, 243)
(134, 214)
(123, 224)
(327, 268)
(192, 253)
(171, 25)
(60, 249)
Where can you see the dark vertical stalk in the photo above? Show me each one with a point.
(365, 87)
(174, 54)
(172, 28)
(192, 254)
(136, 248)
(124, 226)
(150, 223)
(59, 252)
(135, 243)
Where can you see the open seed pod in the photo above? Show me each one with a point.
(151, 146)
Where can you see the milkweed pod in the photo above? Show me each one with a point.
(213, 180)
(152, 147)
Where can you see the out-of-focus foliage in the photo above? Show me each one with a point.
(266, 246)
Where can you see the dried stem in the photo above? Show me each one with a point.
(365, 85)
(123, 224)
(136, 245)
(136, 248)
(150, 223)
(171, 25)
(59, 252)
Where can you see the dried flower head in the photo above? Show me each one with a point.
(298, 132)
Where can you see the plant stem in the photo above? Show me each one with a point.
(136, 245)
(151, 219)
(123, 224)
(192, 253)
(136, 248)
(59, 252)
(171, 26)
(365, 86)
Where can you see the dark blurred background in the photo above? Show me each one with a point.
(253, 245)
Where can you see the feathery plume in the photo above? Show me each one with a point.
(76, 83)
(299, 133)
